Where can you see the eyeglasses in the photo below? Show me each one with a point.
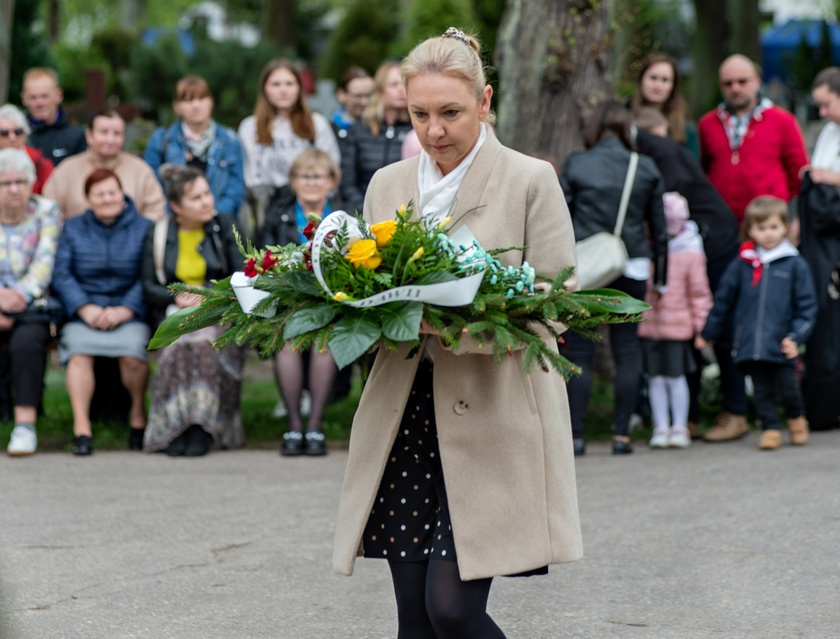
(310, 177)
(738, 81)
(4, 133)
(20, 182)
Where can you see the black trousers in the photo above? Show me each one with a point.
(768, 379)
(27, 345)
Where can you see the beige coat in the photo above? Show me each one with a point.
(66, 185)
(505, 436)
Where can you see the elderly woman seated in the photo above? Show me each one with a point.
(28, 235)
(98, 270)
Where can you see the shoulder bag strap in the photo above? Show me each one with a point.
(625, 194)
(159, 248)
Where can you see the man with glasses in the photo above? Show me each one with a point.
(51, 130)
(748, 147)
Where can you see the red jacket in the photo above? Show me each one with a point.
(768, 162)
(43, 168)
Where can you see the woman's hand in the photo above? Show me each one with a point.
(11, 301)
(184, 300)
(428, 329)
(6, 322)
(824, 176)
(90, 314)
(113, 316)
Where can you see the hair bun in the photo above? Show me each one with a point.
(457, 34)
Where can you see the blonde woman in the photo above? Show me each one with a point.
(375, 140)
(460, 468)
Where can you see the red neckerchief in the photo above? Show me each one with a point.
(749, 254)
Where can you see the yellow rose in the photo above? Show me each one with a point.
(402, 209)
(444, 222)
(383, 231)
(340, 296)
(363, 253)
(417, 255)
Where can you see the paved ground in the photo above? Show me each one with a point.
(720, 541)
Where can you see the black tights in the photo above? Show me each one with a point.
(433, 602)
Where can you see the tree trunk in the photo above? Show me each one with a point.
(744, 17)
(280, 23)
(53, 20)
(553, 68)
(710, 48)
(7, 12)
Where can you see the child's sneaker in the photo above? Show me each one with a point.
(679, 438)
(659, 439)
(770, 439)
(798, 430)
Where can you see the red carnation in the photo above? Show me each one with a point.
(269, 261)
(251, 267)
(309, 230)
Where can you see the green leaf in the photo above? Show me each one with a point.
(184, 321)
(303, 282)
(352, 336)
(401, 321)
(310, 318)
(611, 301)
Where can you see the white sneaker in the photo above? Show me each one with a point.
(659, 439)
(679, 439)
(23, 441)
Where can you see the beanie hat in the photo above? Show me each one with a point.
(676, 212)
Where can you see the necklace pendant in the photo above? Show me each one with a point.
(735, 157)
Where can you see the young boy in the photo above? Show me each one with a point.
(768, 296)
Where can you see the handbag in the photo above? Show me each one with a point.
(42, 310)
(602, 257)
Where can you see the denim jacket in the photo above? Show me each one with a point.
(224, 162)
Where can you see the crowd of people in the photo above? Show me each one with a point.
(94, 235)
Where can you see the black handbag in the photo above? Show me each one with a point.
(42, 310)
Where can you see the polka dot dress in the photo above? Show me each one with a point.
(410, 516)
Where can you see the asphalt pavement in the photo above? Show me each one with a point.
(719, 541)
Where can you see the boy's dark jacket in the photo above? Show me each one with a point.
(782, 303)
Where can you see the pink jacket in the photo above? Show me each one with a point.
(680, 312)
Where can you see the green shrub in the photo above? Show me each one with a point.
(432, 18)
(364, 37)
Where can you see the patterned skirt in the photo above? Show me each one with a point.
(196, 384)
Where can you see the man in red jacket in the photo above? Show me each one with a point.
(748, 147)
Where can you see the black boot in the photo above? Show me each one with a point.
(199, 441)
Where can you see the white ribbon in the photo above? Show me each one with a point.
(456, 293)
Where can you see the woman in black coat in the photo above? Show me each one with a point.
(195, 393)
(375, 140)
(593, 181)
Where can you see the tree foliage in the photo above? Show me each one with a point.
(433, 17)
(29, 47)
(364, 37)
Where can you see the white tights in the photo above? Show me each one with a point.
(665, 391)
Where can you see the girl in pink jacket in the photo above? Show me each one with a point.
(676, 317)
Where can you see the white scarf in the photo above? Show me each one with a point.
(437, 191)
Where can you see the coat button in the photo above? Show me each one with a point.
(462, 408)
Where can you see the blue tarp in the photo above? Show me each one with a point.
(783, 41)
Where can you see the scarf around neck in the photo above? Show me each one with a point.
(757, 257)
(198, 143)
(437, 191)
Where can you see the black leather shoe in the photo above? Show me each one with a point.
(135, 438)
(292, 444)
(82, 445)
(198, 441)
(580, 446)
(314, 444)
(621, 448)
(178, 446)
